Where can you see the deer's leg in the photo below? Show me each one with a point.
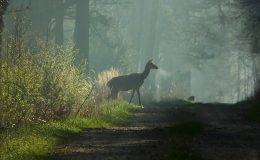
(132, 96)
(139, 98)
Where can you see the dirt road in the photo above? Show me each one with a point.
(228, 135)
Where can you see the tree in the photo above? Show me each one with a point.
(3, 6)
(252, 10)
(59, 16)
(81, 31)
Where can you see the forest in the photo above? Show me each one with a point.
(59, 60)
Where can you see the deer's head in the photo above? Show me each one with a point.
(151, 65)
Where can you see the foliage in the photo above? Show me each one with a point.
(36, 141)
(113, 48)
(99, 92)
(39, 82)
(110, 44)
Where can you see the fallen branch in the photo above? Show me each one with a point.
(85, 100)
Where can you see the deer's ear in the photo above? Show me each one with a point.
(151, 60)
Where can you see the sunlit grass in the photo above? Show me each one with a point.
(36, 141)
(181, 138)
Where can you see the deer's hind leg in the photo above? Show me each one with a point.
(114, 93)
(132, 96)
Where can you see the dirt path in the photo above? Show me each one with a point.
(143, 137)
(228, 136)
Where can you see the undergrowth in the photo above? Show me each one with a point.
(37, 140)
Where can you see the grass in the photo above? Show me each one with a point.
(36, 141)
(182, 136)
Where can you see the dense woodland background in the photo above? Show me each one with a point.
(54, 51)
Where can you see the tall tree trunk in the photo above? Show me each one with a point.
(3, 6)
(256, 70)
(139, 31)
(82, 31)
(41, 17)
(238, 77)
(150, 42)
(59, 17)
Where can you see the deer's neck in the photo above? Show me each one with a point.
(145, 72)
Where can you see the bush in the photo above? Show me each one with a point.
(39, 83)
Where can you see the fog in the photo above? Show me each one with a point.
(201, 47)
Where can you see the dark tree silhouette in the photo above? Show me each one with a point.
(3, 6)
(82, 31)
(252, 10)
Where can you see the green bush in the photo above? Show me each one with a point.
(39, 83)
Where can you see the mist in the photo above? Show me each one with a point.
(201, 47)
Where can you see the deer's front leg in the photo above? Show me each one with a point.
(132, 96)
(139, 98)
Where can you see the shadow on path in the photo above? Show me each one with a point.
(228, 135)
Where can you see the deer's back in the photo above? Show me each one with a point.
(126, 82)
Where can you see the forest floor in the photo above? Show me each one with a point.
(227, 135)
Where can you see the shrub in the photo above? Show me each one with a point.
(39, 83)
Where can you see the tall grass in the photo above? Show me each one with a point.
(102, 91)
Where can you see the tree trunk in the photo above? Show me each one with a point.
(150, 17)
(41, 18)
(81, 32)
(238, 77)
(3, 6)
(256, 70)
(59, 16)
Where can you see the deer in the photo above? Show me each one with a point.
(130, 82)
